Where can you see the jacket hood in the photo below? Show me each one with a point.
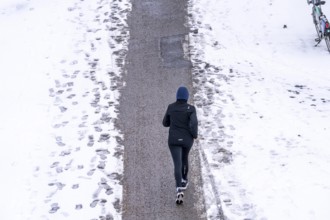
(182, 93)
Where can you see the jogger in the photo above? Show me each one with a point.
(182, 120)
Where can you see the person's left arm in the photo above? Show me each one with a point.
(193, 124)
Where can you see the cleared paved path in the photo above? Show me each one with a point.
(155, 68)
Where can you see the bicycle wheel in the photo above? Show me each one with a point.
(327, 41)
(318, 31)
(317, 26)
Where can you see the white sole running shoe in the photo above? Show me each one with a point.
(179, 198)
(184, 185)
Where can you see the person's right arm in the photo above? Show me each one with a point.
(166, 119)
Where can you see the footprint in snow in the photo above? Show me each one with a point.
(94, 203)
(84, 118)
(75, 73)
(109, 191)
(55, 164)
(115, 176)
(65, 153)
(63, 109)
(68, 165)
(71, 96)
(59, 141)
(102, 153)
(59, 169)
(101, 165)
(103, 157)
(71, 9)
(74, 62)
(93, 64)
(98, 129)
(57, 126)
(105, 117)
(54, 208)
(64, 123)
(91, 141)
(91, 172)
(107, 217)
(103, 201)
(103, 181)
(79, 206)
(82, 125)
(104, 137)
(65, 75)
(97, 110)
(59, 185)
(51, 93)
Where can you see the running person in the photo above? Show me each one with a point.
(182, 120)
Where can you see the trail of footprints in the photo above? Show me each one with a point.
(303, 94)
(207, 77)
(210, 80)
(108, 19)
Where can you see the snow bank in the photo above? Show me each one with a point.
(62, 64)
(262, 92)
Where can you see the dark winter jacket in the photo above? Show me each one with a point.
(182, 120)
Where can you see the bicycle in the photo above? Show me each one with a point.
(321, 23)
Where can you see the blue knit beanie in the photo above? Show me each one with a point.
(182, 93)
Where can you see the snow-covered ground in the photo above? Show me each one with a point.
(262, 93)
(61, 65)
(263, 98)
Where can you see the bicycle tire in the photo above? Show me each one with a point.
(327, 41)
(316, 23)
(318, 31)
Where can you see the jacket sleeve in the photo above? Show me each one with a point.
(193, 124)
(166, 119)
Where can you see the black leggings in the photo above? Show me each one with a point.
(180, 159)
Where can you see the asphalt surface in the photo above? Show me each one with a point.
(155, 68)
